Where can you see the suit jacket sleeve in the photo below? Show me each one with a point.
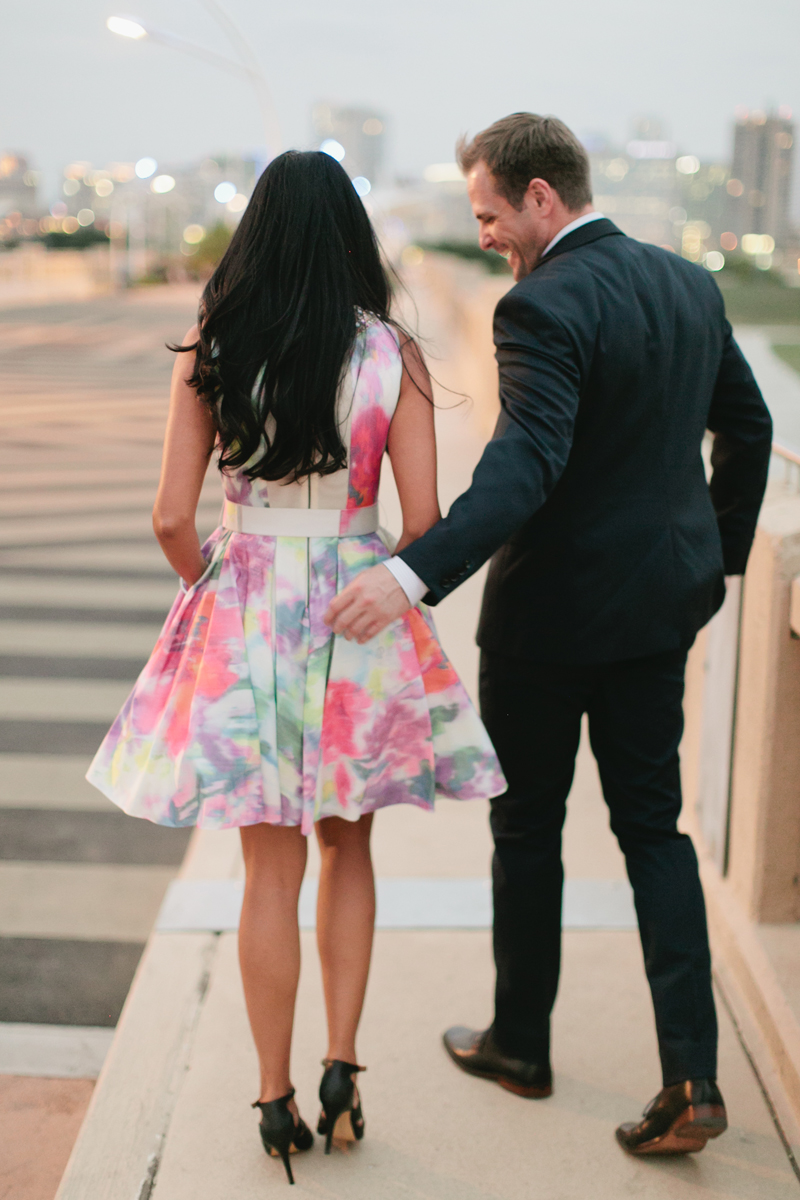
(540, 370)
(742, 428)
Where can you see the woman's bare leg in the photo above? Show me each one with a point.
(269, 945)
(345, 924)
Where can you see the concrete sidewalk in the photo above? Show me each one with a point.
(170, 1118)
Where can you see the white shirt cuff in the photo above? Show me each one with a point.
(414, 587)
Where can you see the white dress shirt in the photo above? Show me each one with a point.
(414, 587)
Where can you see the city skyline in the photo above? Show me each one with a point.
(91, 95)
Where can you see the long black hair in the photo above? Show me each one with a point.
(280, 315)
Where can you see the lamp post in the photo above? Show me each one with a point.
(248, 68)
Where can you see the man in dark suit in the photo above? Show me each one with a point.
(610, 551)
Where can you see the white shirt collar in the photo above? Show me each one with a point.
(573, 225)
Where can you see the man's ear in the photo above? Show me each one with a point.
(540, 194)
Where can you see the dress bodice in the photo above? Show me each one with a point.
(366, 403)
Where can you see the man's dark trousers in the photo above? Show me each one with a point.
(533, 713)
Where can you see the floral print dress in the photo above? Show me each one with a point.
(250, 709)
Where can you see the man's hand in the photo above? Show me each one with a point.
(367, 605)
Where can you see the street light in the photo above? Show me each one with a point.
(248, 68)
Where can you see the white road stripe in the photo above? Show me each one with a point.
(61, 699)
(194, 905)
(68, 638)
(49, 781)
(87, 593)
(91, 901)
(53, 1051)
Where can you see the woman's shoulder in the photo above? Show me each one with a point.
(378, 335)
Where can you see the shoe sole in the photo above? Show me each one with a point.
(688, 1135)
(510, 1085)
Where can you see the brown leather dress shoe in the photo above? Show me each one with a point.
(475, 1052)
(680, 1120)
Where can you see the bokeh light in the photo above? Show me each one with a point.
(362, 185)
(194, 234)
(714, 261)
(688, 164)
(104, 187)
(71, 187)
(372, 127)
(443, 173)
(145, 167)
(125, 27)
(617, 169)
(162, 184)
(735, 187)
(334, 148)
(237, 203)
(758, 243)
(728, 241)
(85, 216)
(224, 192)
(412, 256)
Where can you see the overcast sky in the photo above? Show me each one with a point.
(71, 90)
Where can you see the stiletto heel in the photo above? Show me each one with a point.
(341, 1115)
(280, 1133)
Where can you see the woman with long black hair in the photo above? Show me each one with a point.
(250, 713)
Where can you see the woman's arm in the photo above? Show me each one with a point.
(412, 447)
(188, 446)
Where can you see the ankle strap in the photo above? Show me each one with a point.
(351, 1067)
(280, 1100)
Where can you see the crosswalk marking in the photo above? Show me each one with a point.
(84, 590)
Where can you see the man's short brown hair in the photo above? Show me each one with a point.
(525, 146)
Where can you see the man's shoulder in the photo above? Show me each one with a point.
(563, 287)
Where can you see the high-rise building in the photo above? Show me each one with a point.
(761, 172)
(360, 134)
(638, 187)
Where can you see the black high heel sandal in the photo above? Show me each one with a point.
(341, 1115)
(280, 1134)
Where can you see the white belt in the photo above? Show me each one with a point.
(300, 522)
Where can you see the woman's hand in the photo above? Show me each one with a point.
(367, 605)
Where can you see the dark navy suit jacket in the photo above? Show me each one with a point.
(608, 541)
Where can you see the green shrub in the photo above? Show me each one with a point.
(490, 260)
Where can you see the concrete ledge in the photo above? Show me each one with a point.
(122, 1138)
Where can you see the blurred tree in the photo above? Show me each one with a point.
(756, 297)
(490, 260)
(81, 239)
(211, 249)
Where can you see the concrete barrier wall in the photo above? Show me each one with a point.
(464, 298)
(764, 853)
(762, 865)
